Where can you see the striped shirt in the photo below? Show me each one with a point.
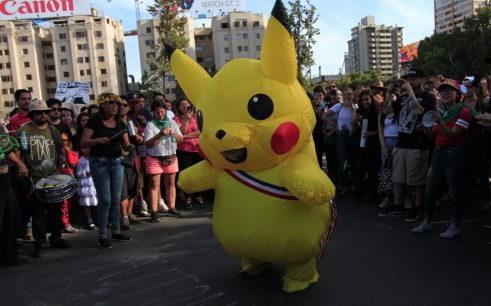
(462, 120)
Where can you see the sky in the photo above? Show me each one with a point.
(336, 18)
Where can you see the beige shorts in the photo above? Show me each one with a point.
(410, 166)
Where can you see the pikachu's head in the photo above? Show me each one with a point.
(252, 114)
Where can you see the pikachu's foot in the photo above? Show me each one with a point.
(299, 276)
(253, 267)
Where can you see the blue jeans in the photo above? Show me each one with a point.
(107, 174)
(447, 163)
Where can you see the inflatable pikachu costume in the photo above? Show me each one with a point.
(272, 201)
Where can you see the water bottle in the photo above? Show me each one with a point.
(24, 146)
(131, 128)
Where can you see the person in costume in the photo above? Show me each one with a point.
(272, 200)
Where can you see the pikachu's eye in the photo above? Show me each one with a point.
(260, 106)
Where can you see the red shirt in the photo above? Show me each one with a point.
(462, 120)
(17, 120)
(188, 144)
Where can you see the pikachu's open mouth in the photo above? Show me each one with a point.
(236, 156)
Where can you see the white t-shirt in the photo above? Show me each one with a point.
(344, 116)
(166, 145)
(391, 128)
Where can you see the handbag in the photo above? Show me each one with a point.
(385, 183)
(166, 160)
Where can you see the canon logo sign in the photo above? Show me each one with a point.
(15, 9)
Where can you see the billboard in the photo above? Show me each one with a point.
(209, 8)
(409, 52)
(73, 92)
(32, 9)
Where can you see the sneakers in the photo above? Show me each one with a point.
(91, 226)
(60, 244)
(385, 203)
(422, 228)
(104, 244)
(393, 211)
(174, 213)
(162, 208)
(154, 217)
(200, 202)
(413, 215)
(69, 230)
(143, 209)
(133, 219)
(451, 232)
(189, 203)
(121, 237)
(125, 223)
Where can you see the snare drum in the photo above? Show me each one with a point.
(55, 188)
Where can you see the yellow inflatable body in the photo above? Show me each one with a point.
(272, 201)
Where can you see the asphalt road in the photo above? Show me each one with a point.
(370, 261)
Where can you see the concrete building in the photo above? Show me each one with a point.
(205, 55)
(450, 14)
(148, 38)
(73, 49)
(237, 35)
(373, 47)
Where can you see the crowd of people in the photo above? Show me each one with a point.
(409, 146)
(107, 158)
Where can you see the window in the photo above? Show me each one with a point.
(246, 48)
(224, 25)
(104, 84)
(6, 52)
(87, 59)
(255, 24)
(82, 47)
(82, 72)
(100, 59)
(80, 60)
(7, 65)
(226, 50)
(103, 71)
(50, 79)
(64, 61)
(244, 35)
(225, 37)
(66, 74)
(1, 52)
(98, 34)
(244, 23)
(100, 46)
(149, 30)
(29, 89)
(4, 39)
(92, 97)
(258, 48)
(199, 59)
(62, 35)
(50, 67)
(1, 66)
(49, 55)
(62, 49)
(5, 78)
(46, 43)
(27, 64)
(199, 48)
(208, 59)
(5, 91)
(28, 77)
(80, 34)
(149, 42)
(23, 39)
(239, 48)
(11, 91)
(24, 51)
(88, 72)
(258, 35)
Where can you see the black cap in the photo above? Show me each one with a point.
(414, 72)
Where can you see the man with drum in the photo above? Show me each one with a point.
(43, 157)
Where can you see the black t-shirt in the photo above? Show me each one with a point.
(5, 181)
(111, 150)
(409, 136)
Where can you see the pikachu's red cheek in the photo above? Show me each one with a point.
(285, 138)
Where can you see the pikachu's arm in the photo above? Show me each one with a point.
(199, 177)
(304, 179)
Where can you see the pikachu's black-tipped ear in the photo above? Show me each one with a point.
(278, 57)
(190, 75)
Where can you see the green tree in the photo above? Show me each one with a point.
(170, 29)
(460, 52)
(356, 79)
(302, 19)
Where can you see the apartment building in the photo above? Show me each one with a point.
(73, 49)
(237, 35)
(373, 47)
(450, 14)
(205, 55)
(148, 38)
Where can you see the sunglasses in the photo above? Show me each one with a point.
(55, 109)
(124, 105)
(112, 102)
(39, 113)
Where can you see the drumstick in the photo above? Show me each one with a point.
(117, 134)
